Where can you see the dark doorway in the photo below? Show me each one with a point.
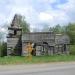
(15, 32)
(64, 47)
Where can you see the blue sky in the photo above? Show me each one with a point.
(38, 12)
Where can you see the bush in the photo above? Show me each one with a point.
(3, 49)
(72, 49)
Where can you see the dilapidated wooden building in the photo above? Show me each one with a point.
(14, 37)
(43, 43)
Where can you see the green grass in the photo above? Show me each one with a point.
(36, 59)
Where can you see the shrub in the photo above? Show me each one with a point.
(72, 49)
(3, 49)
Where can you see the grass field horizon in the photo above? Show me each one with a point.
(7, 60)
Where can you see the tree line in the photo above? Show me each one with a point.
(68, 29)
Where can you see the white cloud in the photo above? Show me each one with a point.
(2, 18)
(45, 16)
(2, 30)
(62, 15)
(68, 8)
(47, 1)
(53, 17)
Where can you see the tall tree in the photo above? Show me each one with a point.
(1, 42)
(70, 30)
(24, 24)
(57, 29)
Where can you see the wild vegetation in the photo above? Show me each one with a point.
(36, 59)
(25, 26)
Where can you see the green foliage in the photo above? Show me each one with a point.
(3, 49)
(70, 30)
(24, 24)
(57, 29)
(72, 49)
